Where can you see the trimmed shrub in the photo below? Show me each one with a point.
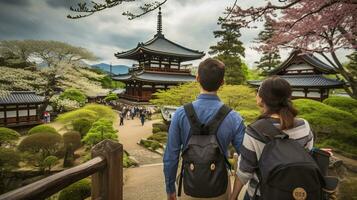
(9, 159)
(329, 123)
(77, 191)
(111, 97)
(160, 137)
(44, 143)
(155, 130)
(43, 128)
(82, 125)
(78, 114)
(150, 144)
(71, 141)
(102, 111)
(347, 104)
(101, 130)
(74, 95)
(8, 136)
(155, 145)
(49, 162)
(163, 127)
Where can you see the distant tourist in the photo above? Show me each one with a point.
(121, 116)
(128, 114)
(202, 131)
(142, 118)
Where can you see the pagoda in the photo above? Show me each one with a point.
(308, 76)
(159, 66)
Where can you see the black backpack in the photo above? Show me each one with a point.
(204, 169)
(286, 170)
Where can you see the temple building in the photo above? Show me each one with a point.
(159, 66)
(20, 108)
(306, 75)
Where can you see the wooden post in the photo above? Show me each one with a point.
(17, 114)
(108, 184)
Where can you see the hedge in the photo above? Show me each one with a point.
(43, 128)
(77, 191)
(329, 123)
(155, 130)
(163, 127)
(347, 104)
(8, 136)
(82, 125)
(160, 137)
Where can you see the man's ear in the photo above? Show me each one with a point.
(197, 78)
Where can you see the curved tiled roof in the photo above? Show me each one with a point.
(307, 81)
(309, 59)
(156, 77)
(21, 97)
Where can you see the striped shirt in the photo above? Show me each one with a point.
(252, 149)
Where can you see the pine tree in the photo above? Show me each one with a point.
(230, 50)
(269, 60)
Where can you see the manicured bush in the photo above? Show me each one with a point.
(160, 137)
(74, 95)
(77, 191)
(347, 104)
(163, 127)
(71, 141)
(155, 145)
(329, 123)
(155, 130)
(102, 111)
(43, 128)
(127, 162)
(78, 114)
(82, 125)
(45, 144)
(49, 162)
(111, 97)
(101, 130)
(8, 136)
(150, 144)
(9, 159)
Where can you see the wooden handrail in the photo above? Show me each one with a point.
(107, 180)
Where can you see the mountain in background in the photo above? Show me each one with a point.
(116, 69)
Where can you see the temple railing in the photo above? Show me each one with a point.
(134, 98)
(105, 167)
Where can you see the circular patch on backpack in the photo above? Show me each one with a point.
(213, 166)
(299, 194)
(192, 167)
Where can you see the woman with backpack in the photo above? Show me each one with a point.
(275, 172)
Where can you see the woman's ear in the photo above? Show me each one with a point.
(197, 78)
(259, 101)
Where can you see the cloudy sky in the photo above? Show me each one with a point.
(187, 22)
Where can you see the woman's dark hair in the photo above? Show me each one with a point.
(276, 95)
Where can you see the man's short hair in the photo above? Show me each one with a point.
(211, 74)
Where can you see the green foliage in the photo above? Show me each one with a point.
(329, 123)
(160, 137)
(49, 162)
(82, 125)
(101, 130)
(127, 162)
(161, 126)
(269, 59)
(249, 116)
(111, 97)
(8, 136)
(77, 191)
(343, 103)
(150, 144)
(230, 50)
(155, 130)
(238, 97)
(71, 141)
(9, 159)
(91, 112)
(44, 143)
(109, 83)
(74, 95)
(43, 128)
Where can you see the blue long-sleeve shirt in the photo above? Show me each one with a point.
(206, 106)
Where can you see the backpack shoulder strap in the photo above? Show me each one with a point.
(214, 124)
(264, 130)
(192, 118)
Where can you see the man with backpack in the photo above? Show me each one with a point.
(201, 131)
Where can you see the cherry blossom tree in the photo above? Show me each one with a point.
(319, 26)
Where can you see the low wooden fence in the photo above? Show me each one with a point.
(105, 167)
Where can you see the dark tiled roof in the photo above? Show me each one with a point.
(21, 97)
(309, 59)
(162, 46)
(157, 77)
(307, 81)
